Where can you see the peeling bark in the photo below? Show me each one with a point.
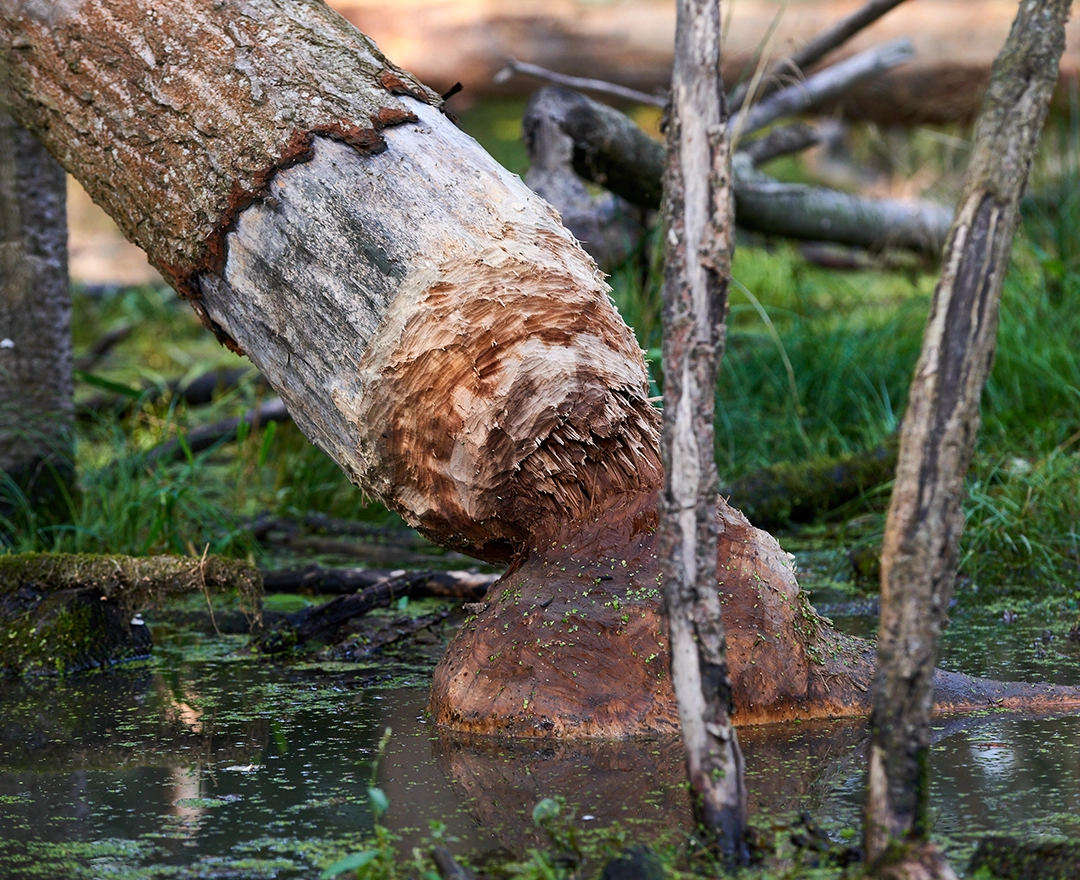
(922, 532)
(700, 229)
(176, 114)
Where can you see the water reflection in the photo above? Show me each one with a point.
(211, 764)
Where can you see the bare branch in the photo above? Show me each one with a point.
(816, 49)
(610, 149)
(513, 66)
(781, 142)
(822, 87)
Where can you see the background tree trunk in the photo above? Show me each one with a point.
(924, 522)
(700, 222)
(36, 404)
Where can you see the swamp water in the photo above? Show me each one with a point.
(205, 762)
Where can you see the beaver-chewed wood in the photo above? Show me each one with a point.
(432, 326)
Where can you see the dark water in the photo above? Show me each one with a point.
(206, 763)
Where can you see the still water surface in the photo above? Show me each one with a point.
(205, 763)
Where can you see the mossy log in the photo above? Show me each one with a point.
(63, 613)
(1012, 859)
(801, 492)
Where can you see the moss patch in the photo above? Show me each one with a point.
(64, 613)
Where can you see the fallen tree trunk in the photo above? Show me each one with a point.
(800, 492)
(608, 148)
(430, 324)
(65, 613)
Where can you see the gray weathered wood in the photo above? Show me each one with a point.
(36, 392)
(700, 234)
(610, 149)
(925, 520)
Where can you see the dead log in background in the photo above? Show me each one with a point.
(63, 613)
(630, 43)
(608, 148)
(937, 439)
(800, 492)
(368, 591)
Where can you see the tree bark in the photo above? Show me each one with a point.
(36, 389)
(700, 228)
(922, 532)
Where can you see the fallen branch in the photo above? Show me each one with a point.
(310, 622)
(206, 436)
(102, 346)
(584, 84)
(822, 87)
(781, 141)
(814, 213)
(200, 391)
(815, 49)
(315, 578)
(611, 150)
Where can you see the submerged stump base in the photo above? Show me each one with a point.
(573, 641)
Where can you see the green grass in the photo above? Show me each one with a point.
(818, 363)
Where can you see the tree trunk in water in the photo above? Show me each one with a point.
(700, 222)
(925, 520)
(430, 324)
(37, 410)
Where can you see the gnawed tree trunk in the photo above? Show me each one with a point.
(37, 411)
(431, 325)
(922, 531)
(700, 230)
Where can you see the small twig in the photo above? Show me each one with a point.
(103, 346)
(205, 436)
(824, 86)
(817, 48)
(206, 589)
(514, 67)
(781, 141)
